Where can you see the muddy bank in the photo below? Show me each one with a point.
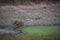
(14, 32)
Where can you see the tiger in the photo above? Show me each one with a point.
(18, 24)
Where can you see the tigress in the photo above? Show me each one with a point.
(18, 23)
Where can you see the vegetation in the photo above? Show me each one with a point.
(42, 30)
(26, 1)
(36, 33)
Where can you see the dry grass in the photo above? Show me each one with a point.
(8, 37)
(24, 37)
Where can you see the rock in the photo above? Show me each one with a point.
(5, 31)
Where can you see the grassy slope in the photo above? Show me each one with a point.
(43, 30)
(40, 33)
(37, 33)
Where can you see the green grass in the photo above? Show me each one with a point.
(42, 30)
(41, 33)
(36, 33)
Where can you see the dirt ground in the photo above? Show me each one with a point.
(31, 14)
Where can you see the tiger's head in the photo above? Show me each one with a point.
(18, 23)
